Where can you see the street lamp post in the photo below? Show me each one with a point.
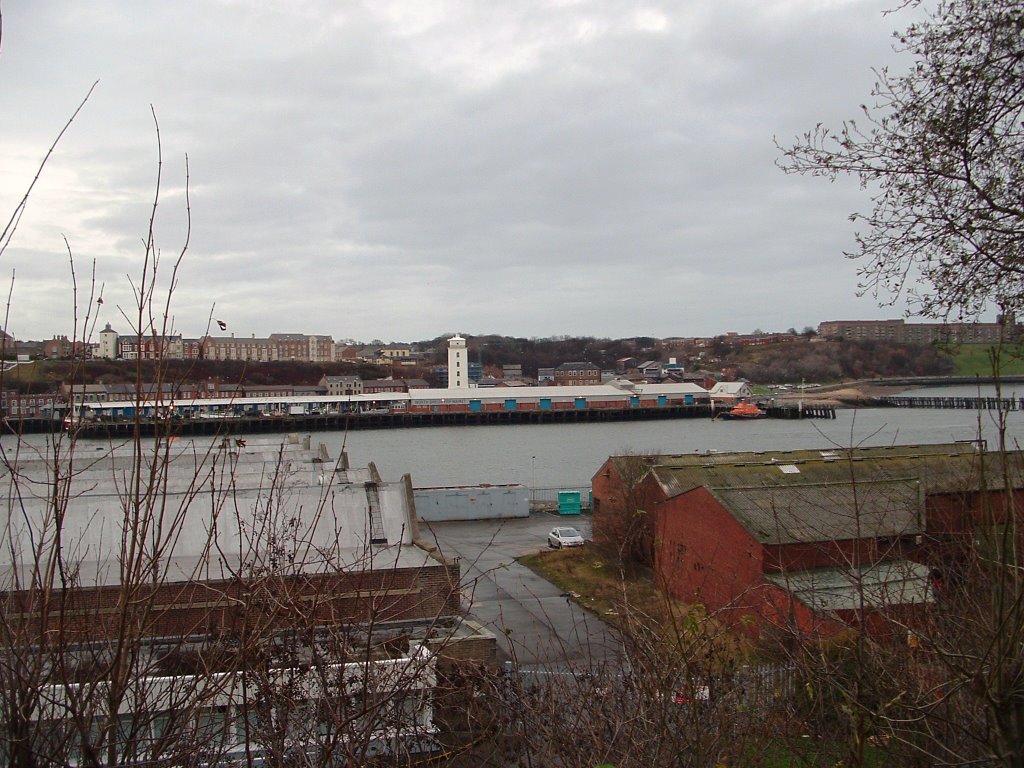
(533, 482)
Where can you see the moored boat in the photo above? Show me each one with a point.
(743, 411)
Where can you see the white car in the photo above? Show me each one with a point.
(564, 537)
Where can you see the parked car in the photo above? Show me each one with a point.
(564, 537)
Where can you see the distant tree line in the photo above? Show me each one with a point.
(839, 360)
(534, 353)
(769, 364)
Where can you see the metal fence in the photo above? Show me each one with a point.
(749, 688)
(547, 498)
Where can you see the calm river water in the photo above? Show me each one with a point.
(567, 456)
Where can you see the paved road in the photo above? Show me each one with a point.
(533, 621)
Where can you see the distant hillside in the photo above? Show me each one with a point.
(805, 358)
(976, 360)
(536, 353)
(832, 361)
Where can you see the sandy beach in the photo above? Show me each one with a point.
(842, 395)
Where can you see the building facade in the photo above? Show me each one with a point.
(901, 332)
(577, 374)
(812, 541)
(150, 348)
(342, 385)
(16, 405)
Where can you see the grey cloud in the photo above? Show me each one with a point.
(393, 171)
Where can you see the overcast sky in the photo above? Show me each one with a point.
(399, 170)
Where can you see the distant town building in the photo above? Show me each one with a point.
(730, 392)
(396, 352)
(150, 348)
(577, 374)
(16, 405)
(58, 347)
(345, 351)
(298, 347)
(376, 386)
(650, 370)
(918, 333)
(342, 385)
(303, 347)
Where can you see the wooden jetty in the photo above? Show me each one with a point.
(964, 403)
(805, 411)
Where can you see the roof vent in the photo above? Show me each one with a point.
(789, 469)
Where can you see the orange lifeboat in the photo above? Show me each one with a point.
(743, 411)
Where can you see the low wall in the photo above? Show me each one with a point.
(472, 502)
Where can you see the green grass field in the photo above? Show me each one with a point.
(976, 360)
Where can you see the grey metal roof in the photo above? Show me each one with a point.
(890, 583)
(221, 503)
(789, 514)
(942, 468)
(803, 496)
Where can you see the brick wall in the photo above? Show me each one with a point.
(702, 554)
(819, 554)
(616, 502)
(256, 604)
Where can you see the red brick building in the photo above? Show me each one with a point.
(799, 538)
(377, 386)
(577, 374)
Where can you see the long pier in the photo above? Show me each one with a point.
(126, 428)
(337, 422)
(964, 403)
(805, 411)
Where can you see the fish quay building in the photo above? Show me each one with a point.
(619, 401)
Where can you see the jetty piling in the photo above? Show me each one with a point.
(964, 403)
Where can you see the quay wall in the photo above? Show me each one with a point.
(352, 421)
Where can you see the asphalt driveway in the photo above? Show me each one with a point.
(535, 623)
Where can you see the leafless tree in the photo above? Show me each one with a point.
(940, 150)
(263, 643)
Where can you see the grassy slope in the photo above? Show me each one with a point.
(975, 360)
(600, 586)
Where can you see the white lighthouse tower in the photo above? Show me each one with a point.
(108, 343)
(458, 364)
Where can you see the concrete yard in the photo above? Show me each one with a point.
(535, 623)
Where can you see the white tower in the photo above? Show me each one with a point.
(108, 343)
(458, 364)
